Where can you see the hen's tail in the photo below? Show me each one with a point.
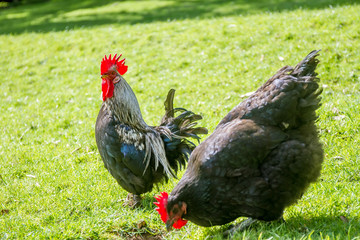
(307, 66)
(309, 89)
(176, 131)
(288, 99)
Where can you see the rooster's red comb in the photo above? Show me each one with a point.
(107, 63)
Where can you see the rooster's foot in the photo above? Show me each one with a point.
(132, 200)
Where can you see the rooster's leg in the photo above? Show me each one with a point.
(133, 200)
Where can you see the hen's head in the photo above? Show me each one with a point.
(111, 69)
(172, 213)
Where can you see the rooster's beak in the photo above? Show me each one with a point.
(103, 76)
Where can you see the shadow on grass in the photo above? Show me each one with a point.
(331, 226)
(67, 14)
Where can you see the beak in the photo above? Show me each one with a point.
(169, 224)
(104, 76)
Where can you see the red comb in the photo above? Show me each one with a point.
(161, 209)
(107, 63)
(161, 203)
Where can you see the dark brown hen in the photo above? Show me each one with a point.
(261, 157)
(137, 155)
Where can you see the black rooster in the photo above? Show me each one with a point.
(260, 159)
(137, 155)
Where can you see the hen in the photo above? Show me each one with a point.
(137, 155)
(260, 159)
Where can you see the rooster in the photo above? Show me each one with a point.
(260, 159)
(137, 155)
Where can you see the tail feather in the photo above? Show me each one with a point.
(307, 66)
(169, 105)
(288, 99)
(176, 132)
(183, 126)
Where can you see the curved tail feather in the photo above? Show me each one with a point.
(176, 131)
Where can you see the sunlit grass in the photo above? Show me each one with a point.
(52, 180)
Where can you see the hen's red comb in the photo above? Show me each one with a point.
(161, 203)
(107, 63)
(161, 209)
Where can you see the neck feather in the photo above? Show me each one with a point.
(125, 105)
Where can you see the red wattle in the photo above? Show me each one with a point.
(179, 223)
(107, 88)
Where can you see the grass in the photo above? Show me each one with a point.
(52, 181)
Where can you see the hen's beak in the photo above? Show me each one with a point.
(169, 224)
(104, 75)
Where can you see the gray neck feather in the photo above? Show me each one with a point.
(125, 105)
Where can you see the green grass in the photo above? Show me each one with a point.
(52, 181)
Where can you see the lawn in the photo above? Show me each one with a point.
(52, 181)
